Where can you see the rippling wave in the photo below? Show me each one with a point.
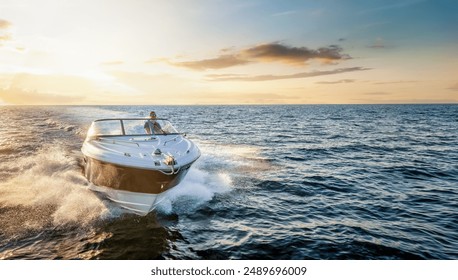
(273, 182)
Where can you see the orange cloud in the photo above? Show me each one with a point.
(111, 63)
(4, 24)
(454, 87)
(237, 77)
(344, 81)
(222, 61)
(396, 82)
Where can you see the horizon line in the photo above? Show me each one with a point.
(232, 104)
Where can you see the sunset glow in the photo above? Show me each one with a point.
(228, 52)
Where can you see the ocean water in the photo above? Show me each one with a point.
(273, 182)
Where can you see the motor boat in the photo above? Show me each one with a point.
(135, 161)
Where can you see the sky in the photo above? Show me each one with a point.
(175, 52)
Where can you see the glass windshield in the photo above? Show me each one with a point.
(131, 127)
(134, 127)
(108, 127)
(159, 127)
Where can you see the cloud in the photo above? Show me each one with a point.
(395, 82)
(158, 60)
(21, 97)
(238, 77)
(222, 61)
(110, 63)
(286, 13)
(454, 87)
(345, 81)
(4, 36)
(377, 93)
(4, 24)
(231, 97)
(397, 5)
(272, 52)
(293, 55)
(378, 44)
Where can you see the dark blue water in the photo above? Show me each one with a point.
(273, 182)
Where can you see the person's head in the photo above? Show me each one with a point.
(152, 115)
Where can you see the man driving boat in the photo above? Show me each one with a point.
(153, 124)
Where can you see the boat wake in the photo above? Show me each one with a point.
(47, 189)
(196, 189)
(218, 171)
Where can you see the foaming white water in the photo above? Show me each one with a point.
(211, 175)
(51, 180)
(63, 125)
(197, 188)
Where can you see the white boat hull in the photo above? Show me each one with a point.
(138, 203)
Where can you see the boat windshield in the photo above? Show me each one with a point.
(130, 127)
